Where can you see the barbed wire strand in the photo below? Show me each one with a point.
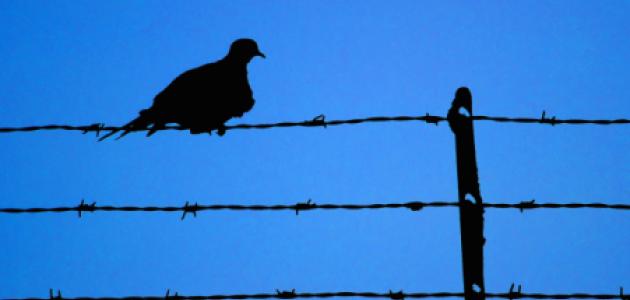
(391, 295)
(320, 121)
(304, 206)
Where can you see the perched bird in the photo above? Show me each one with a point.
(204, 98)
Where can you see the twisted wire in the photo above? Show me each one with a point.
(320, 121)
(391, 295)
(304, 206)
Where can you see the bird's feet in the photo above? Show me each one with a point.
(197, 130)
(221, 130)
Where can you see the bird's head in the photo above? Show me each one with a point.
(244, 50)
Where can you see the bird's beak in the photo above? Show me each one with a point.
(260, 54)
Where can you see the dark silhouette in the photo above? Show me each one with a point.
(471, 207)
(518, 294)
(303, 206)
(204, 98)
(320, 121)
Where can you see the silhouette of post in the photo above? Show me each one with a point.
(470, 203)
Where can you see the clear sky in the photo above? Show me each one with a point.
(81, 62)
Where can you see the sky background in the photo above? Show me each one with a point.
(82, 62)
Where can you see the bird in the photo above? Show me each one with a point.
(204, 98)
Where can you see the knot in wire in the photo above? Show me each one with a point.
(53, 297)
(429, 119)
(85, 207)
(318, 121)
(551, 121)
(96, 127)
(526, 205)
(396, 296)
(304, 206)
(514, 295)
(286, 294)
(190, 209)
(415, 206)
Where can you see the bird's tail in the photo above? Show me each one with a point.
(141, 122)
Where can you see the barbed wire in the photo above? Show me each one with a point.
(304, 206)
(320, 121)
(400, 295)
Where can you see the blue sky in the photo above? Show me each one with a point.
(81, 62)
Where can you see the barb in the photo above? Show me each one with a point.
(190, 209)
(168, 295)
(514, 295)
(85, 207)
(286, 294)
(302, 206)
(389, 295)
(53, 297)
(321, 121)
(396, 296)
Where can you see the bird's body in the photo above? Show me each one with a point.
(204, 98)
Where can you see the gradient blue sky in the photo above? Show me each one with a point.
(80, 62)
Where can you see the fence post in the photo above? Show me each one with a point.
(470, 203)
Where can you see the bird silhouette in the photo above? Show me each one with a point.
(204, 98)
